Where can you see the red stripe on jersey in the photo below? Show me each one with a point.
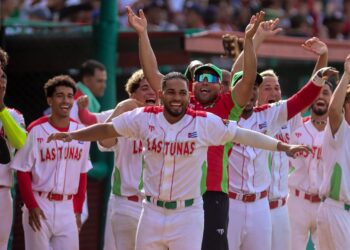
(37, 122)
(261, 108)
(153, 109)
(45, 119)
(195, 113)
(78, 94)
(306, 119)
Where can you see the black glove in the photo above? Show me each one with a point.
(4, 151)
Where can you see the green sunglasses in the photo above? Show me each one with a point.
(210, 78)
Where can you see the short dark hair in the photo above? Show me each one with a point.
(4, 58)
(173, 75)
(134, 81)
(61, 80)
(88, 68)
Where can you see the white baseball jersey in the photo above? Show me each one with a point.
(6, 177)
(55, 166)
(278, 162)
(336, 164)
(175, 154)
(307, 174)
(102, 116)
(127, 166)
(248, 166)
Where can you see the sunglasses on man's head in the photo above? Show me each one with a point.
(211, 78)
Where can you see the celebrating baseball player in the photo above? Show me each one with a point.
(52, 175)
(12, 136)
(206, 96)
(333, 222)
(176, 140)
(124, 206)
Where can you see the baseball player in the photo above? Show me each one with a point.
(176, 141)
(333, 221)
(250, 221)
(52, 176)
(270, 92)
(207, 97)
(124, 207)
(305, 179)
(12, 136)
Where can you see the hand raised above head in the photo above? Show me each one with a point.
(253, 25)
(315, 45)
(138, 23)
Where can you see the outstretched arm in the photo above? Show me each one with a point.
(147, 57)
(243, 89)
(337, 101)
(259, 140)
(124, 106)
(92, 133)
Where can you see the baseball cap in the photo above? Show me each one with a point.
(194, 63)
(238, 75)
(211, 67)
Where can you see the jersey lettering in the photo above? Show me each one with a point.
(137, 147)
(316, 153)
(69, 153)
(171, 148)
(283, 137)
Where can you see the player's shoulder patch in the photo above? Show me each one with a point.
(195, 113)
(37, 122)
(262, 108)
(153, 109)
(306, 119)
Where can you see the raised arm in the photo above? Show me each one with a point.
(147, 57)
(338, 98)
(243, 89)
(319, 48)
(265, 30)
(305, 96)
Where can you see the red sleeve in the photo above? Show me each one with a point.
(302, 99)
(25, 188)
(86, 117)
(80, 195)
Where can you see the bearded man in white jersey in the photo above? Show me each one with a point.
(52, 176)
(333, 219)
(176, 141)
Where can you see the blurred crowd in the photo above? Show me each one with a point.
(301, 18)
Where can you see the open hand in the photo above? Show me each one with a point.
(35, 215)
(268, 28)
(62, 136)
(315, 45)
(294, 149)
(138, 23)
(253, 25)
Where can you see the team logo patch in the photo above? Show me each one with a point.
(262, 125)
(220, 231)
(193, 135)
(151, 128)
(39, 140)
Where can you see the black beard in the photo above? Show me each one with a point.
(318, 112)
(174, 114)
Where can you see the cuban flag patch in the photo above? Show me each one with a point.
(262, 125)
(193, 135)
